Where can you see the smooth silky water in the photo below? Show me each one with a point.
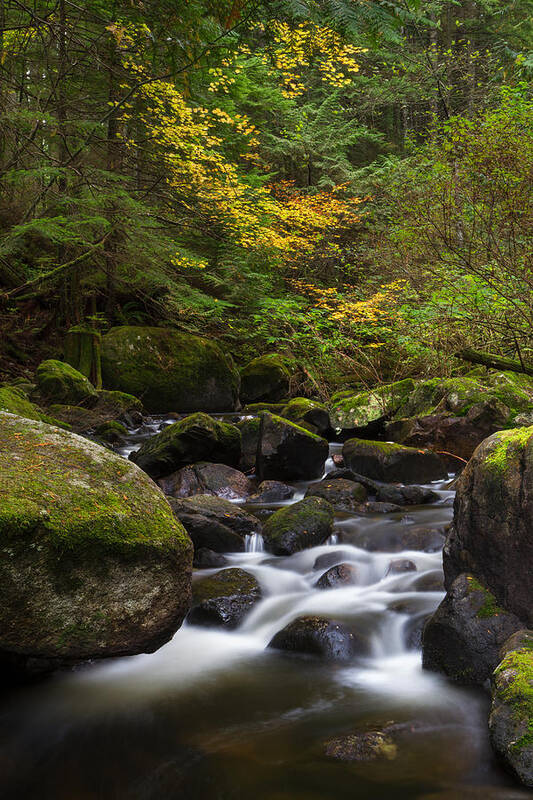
(217, 716)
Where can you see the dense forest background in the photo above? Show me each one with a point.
(345, 180)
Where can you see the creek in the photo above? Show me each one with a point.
(215, 715)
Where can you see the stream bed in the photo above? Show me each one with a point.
(216, 715)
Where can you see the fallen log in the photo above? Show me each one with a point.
(494, 362)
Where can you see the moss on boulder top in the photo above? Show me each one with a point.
(286, 451)
(198, 437)
(169, 370)
(93, 562)
(307, 523)
(383, 461)
(58, 382)
(15, 401)
(266, 379)
(364, 408)
(309, 414)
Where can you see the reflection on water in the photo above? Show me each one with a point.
(218, 716)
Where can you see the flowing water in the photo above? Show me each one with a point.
(217, 715)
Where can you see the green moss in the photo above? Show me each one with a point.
(169, 370)
(111, 431)
(14, 401)
(266, 378)
(360, 409)
(60, 383)
(226, 583)
(518, 691)
(281, 421)
(119, 402)
(299, 517)
(506, 445)
(256, 408)
(72, 494)
(490, 607)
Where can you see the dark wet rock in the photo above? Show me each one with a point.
(110, 407)
(197, 437)
(205, 558)
(206, 478)
(223, 599)
(374, 507)
(406, 495)
(343, 494)
(491, 535)
(331, 559)
(307, 523)
(271, 492)
(287, 452)
(249, 429)
(169, 370)
(341, 575)
(387, 462)
(317, 636)
(464, 636)
(94, 564)
(214, 523)
(400, 565)
(432, 581)
(511, 715)
(308, 414)
(266, 379)
(362, 747)
(414, 630)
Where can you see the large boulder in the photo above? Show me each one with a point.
(287, 452)
(464, 636)
(511, 717)
(198, 437)
(215, 523)
(207, 478)
(93, 562)
(58, 382)
(370, 409)
(383, 461)
(223, 599)
(491, 536)
(307, 523)
(14, 400)
(266, 379)
(169, 370)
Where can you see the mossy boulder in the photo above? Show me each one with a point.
(215, 523)
(110, 407)
(286, 451)
(366, 409)
(92, 561)
(309, 414)
(266, 379)
(307, 523)
(224, 599)
(491, 537)
(383, 461)
(344, 495)
(464, 636)
(15, 401)
(169, 370)
(58, 382)
(197, 437)
(112, 432)
(511, 717)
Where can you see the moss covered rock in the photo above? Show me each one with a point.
(110, 407)
(169, 370)
(464, 636)
(58, 382)
(15, 401)
(511, 717)
(224, 599)
(343, 494)
(265, 379)
(383, 461)
(491, 537)
(319, 637)
(369, 408)
(198, 437)
(307, 523)
(308, 414)
(111, 432)
(92, 561)
(287, 452)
